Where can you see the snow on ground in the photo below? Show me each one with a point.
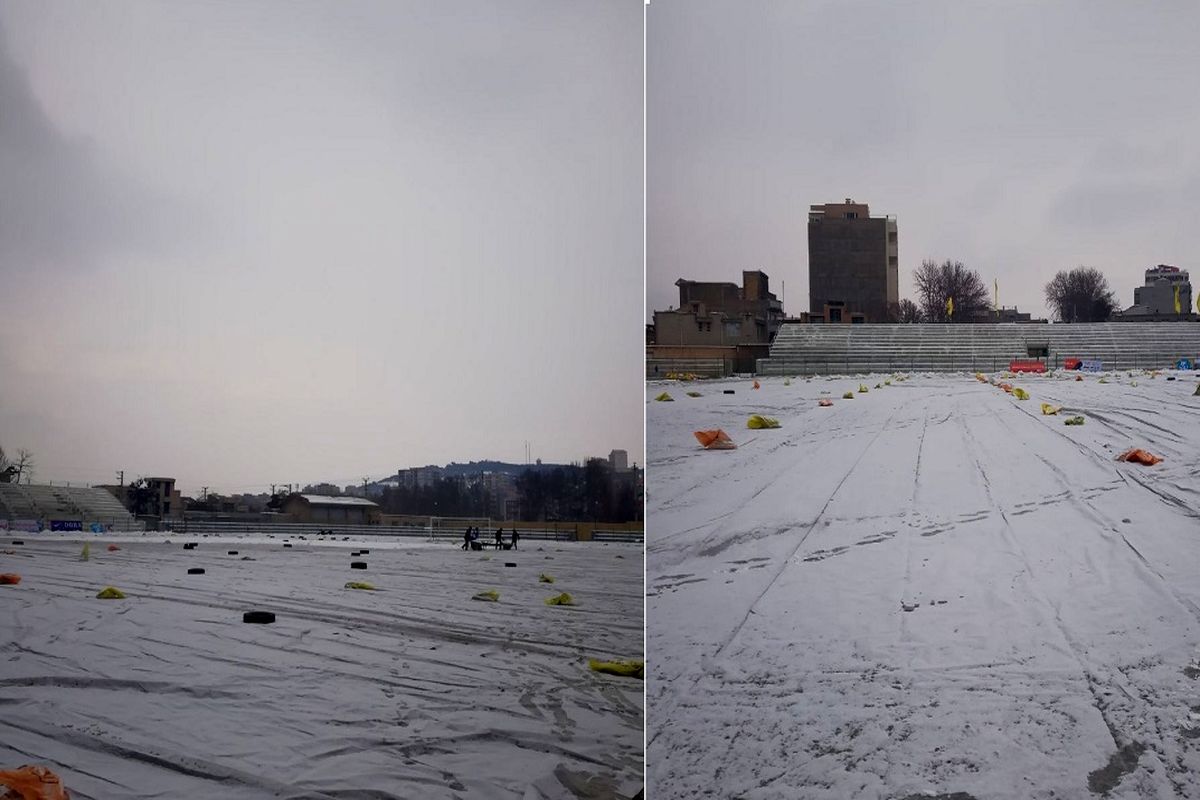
(930, 588)
(414, 690)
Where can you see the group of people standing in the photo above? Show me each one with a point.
(471, 535)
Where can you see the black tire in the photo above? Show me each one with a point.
(363, 552)
(510, 563)
(233, 552)
(196, 571)
(286, 544)
(354, 554)
(729, 391)
(18, 541)
(189, 545)
(259, 617)
(358, 565)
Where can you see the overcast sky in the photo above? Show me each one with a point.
(254, 243)
(1018, 137)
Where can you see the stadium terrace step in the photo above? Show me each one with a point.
(831, 349)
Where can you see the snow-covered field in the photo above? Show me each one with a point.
(414, 690)
(930, 589)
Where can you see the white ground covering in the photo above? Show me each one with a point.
(412, 691)
(1054, 593)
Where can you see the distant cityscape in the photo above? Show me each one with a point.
(599, 489)
(853, 272)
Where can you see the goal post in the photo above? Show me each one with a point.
(453, 527)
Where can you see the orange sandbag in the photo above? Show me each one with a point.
(825, 403)
(112, 547)
(1139, 457)
(1006, 387)
(756, 384)
(10, 579)
(715, 440)
(32, 783)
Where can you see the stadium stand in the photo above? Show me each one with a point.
(74, 503)
(801, 349)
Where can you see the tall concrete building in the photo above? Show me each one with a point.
(853, 266)
(1157, 297)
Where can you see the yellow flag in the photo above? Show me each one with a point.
(950, 306)
(1178, 308)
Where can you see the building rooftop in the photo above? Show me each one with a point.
(323, 500)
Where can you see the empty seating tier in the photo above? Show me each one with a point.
(840, 349)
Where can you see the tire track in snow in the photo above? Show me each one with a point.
(1106, 459)
(804, 537)
(1089, 669)
(665, 713)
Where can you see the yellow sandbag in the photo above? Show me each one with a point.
(757, 422)
(693, 394)
(862, 388)
(1073, 421)
(1020, 393)
(360, 585)
(563, 599)
(888, 382)
(111, 593)
(1050, 410)
(87, 552)
(627, 669)
(665, 398)
(32, 782)
(787, 382)
(544, 578)
(490, 596)
(848, 396)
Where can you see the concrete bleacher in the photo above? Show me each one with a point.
(46, 503)
(801, 349)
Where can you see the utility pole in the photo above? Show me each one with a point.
(204, 492)
(121, 476)
(272, 490)
(365, 486)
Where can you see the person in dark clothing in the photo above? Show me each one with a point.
(467, 538)
(499, 537)
(515, 536)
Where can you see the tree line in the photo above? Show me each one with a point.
(587, 493)
(1076, 295)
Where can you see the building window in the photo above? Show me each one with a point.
(835, 315)
(851, 215)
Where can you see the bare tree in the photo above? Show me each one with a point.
(1080, 295)
(950, 280)
(909, 311)
(24, 465)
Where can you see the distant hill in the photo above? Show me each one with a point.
(476, 467)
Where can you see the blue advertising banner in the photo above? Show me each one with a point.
(66, 525)
(1091, 365)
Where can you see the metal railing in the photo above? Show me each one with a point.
(334, 531)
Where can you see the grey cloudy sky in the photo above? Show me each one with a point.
(1018, 137)
(245, 243)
